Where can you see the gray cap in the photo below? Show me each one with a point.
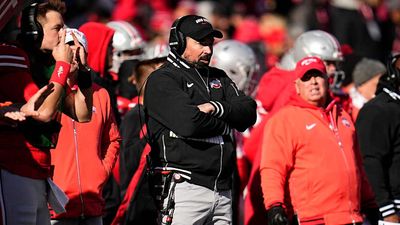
(367, 69)
(393, 4)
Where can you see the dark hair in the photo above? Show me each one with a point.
(51, 5)
(31, 29)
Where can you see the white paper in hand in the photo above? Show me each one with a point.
(56, 197)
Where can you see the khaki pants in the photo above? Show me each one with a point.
(197, 205)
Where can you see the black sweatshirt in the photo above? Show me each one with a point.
(378, 131)
(184, 138)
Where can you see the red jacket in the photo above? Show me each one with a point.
(84, 158)
(314, 153)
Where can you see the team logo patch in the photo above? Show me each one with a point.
(216, 84)
(346, 122)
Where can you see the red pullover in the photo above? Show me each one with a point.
(99, 36)
(84, 158)
(313, 153)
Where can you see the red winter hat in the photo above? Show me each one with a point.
(309, 63)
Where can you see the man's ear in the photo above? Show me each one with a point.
(132, 79)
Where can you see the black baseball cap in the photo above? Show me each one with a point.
(198, 27)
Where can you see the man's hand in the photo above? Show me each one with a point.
(63, 52)
(30, 108)
(206, 108)
(12, 114)
(392, 218)
(277, 216)
(80, 54)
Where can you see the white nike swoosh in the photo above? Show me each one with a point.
(189, 85)
(310, 126)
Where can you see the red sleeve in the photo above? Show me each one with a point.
(111, 138)
(276, 159)
(16, 82)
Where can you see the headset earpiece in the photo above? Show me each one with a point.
(392, 73)
(31, 29)
(177, 39)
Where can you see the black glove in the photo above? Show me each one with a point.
(373, 215)
(277, 216)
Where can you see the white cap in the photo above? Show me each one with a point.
(79, 36)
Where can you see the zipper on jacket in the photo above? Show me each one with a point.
(164, 150)
(205, 82)
(77, 169)
(220, 167)
(336, 132)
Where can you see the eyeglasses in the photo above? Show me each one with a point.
(310, 74)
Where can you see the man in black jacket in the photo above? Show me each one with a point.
(191, 109)
(378, 129)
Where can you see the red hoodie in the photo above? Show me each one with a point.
(84, 157)
(87, 152)
(99, 38)
(312, 154)
(275, 88)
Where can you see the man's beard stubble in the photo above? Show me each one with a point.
(199, 64)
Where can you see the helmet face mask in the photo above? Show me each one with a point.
(238, 61)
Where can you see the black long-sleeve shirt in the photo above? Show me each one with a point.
(378, 131)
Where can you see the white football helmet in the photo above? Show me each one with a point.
(155, 51)
(317, 43)
(287, 61)
(238, 61)
(127, 43)
(325, 46)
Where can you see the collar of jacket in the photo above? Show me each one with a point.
(392, 94)
(330, 112)
(298, 101)
(178, 61)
